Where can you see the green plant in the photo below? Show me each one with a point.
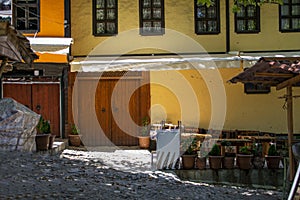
(215, 150)
(74, 130)
(145, 126)
(272, 151)
(189, 145)
(257, 149)
(43, 126)
(245, 150)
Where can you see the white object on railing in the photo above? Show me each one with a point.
(167, 148)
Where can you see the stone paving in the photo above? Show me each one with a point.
(103, 175)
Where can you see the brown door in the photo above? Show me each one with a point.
(41, 98)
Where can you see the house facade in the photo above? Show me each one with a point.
(179, 57)
(42, 86)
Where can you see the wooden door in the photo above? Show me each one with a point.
(109, 110)
(125, 107)
(45, 101)
(41, 98)
(19, 92)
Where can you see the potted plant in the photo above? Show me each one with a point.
(201, 161)
(273, 158)
(244, 158)
(42, 138)
(228, 160)
(258, 160)
(215, 158)
(144, 136)
(75, 137)
(189, 149)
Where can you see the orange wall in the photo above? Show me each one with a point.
(52, 19)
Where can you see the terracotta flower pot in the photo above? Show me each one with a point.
(273, 162)
(228, 162)
(75, 140)
(201, 162)
(144, 142)
(215, 162)
(244, 161)
(188, 161)
(42, 142)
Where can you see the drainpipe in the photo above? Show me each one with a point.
(227, 26)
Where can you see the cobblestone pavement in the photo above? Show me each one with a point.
(88, 175)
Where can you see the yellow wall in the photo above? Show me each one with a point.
(179, 17)
(269, 38)
(262, 112)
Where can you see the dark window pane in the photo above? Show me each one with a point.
(147, 13)
(296, 23)
(156, 3)
(211, 12)
(20, 24)
(100, 14)
(33, 24)
(296, 10)
(201, 26)
(201, 12)
(32, 12)
(100, 28)
(157, 13)
(111, 14)
(20, 11)
(111, 4)
(100, 3)
(111, 28)
(147, 3)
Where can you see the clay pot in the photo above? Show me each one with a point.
(201, 162)
(188, 161)
(215, 162)
(228, 162)
(244, 161)
(75, 140)
(144, 142)
(273, 162)
(42, 142)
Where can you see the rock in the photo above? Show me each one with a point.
(17, 126)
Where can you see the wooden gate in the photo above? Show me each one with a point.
(42, 98)
(109, 110)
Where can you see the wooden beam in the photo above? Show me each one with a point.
(288, 82)
(289, 100)
(266, 74)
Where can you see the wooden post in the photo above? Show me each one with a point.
(290, 130)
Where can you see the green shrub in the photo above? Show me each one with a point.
(215, 150)
(245, 150)
(43, 126)
(272, 151)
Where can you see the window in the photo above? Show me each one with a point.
(207, 19)
(247, 20)
(105, 17)
(289, 16)
(152, 20)
(26, 15)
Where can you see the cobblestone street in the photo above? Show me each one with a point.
(102, 175)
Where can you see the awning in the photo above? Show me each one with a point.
(169, 62)
(153, 63)
(54, 45)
